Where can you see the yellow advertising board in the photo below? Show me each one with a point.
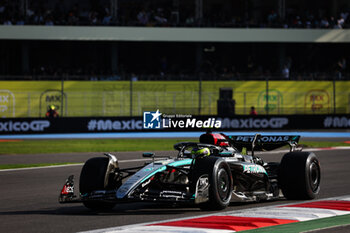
(112, 98)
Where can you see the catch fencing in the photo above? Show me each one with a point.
(127, 98)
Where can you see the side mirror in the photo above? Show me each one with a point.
(147, 154)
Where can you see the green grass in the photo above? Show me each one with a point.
(322, 144)
(108, 145)
(299, 227)
(12, 166)
(87, 145)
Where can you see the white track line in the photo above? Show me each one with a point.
(66, 165)
(137, 160)
(36, 168)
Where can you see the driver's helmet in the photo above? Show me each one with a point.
(52, 107)
(200, 151)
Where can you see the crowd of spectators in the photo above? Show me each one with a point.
(136, 14)
(39, 14)
(309, 20)
(208, 71)
(132, 13)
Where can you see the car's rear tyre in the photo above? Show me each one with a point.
(92, 178)
(220, 181)
(299, 175)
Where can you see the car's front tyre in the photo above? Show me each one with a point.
(92, 178)
(220, 181)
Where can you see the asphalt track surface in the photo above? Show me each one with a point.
(28, 198)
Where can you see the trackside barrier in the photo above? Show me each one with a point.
(136, 124)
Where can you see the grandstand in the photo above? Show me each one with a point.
(120, 58)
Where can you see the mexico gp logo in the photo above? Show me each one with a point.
(24, 126)
(317, 101)
(7, 103)
(271, 102)
(53, 97)
(152, 120)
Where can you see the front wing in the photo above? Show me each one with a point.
(68, 195)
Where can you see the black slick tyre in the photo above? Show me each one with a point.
(299, 175)
(220, 181)
(92, 178)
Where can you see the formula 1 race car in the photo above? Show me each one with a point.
(210, 173)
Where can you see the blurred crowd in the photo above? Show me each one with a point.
(166, 14)
(40, 14)
(136, 14)
(208, 71)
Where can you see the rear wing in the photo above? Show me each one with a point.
(263, 142)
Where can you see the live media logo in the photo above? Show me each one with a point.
(152, 120)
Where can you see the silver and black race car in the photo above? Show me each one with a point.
(210, 173)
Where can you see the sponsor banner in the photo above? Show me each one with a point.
(254, 122)
(110, 124)
(24, 126)
(166, 123)
(81, 98)
(69, 125)
(337, 122)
